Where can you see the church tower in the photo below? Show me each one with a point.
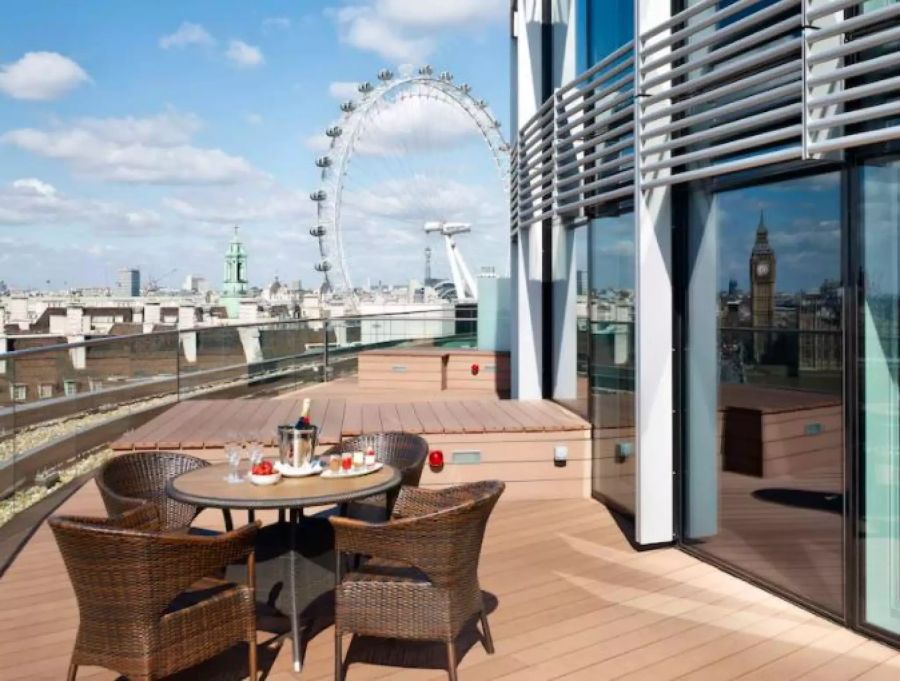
(234, 286)
(762, 287)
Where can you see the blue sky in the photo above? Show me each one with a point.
(136, 133)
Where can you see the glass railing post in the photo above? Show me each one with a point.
(325, 352)
(178, 366)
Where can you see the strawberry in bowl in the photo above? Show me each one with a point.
(264, 473)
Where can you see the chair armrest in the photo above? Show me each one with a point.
(180, 560)
(417, 501)
(144, 517)
(425, 543)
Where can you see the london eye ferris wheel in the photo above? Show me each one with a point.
(371, 116)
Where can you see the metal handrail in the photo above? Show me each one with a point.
(91, 342)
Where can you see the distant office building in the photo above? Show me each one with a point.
(581, 282)
(195, 284)
(128, 283)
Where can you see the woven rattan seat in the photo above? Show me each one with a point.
(421, 582)
(147, 606)
(129, 480)
(404, 451)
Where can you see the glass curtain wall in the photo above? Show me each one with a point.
(879, 386)
(610, 24)
(764, 384)
(610, 331)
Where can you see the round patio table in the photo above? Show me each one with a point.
(207, 488)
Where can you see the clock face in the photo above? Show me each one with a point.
(762, 269)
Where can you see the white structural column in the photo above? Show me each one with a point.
(653, 317)
(527, 363)
(565, 323)
(529, 315)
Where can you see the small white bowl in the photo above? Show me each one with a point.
(265, 479)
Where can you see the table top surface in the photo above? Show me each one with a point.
(208, 487)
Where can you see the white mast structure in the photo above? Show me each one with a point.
(466, 288)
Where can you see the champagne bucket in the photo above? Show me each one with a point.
(297, 446)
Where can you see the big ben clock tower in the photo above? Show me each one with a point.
(762, 287)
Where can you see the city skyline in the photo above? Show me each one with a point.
(214, 119)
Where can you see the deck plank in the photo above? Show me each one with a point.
(371, 419)
(516, 410)
(333, 423)
(353, 421)
(449, 422)
(390, 418)
(409, 422)
(282, 413)
(429, 420)
(469, 422)
(178, 427)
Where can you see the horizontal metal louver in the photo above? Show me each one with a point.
(514, 190)
(535, 167)
(852, 74)
(595, 134)
(721, 90)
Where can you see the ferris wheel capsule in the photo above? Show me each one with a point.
(334, 131)
(426, 70)
(482, 103)
(318, 231)
(465, 88)
(446, 76)
(323, 266)
(385, 75)
(365, 88)
(319, 195)
(349, 106)
(323, 161)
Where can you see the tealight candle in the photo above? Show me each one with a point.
(359, 459)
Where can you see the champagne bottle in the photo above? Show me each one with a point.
(303, 421)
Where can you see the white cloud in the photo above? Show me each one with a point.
(343, 90)
(416, 126)
(267, 203)
(186, 35)
(254, 119)
(394, 212)
(32, 202)
(364, 28)
(407, 30)
(152, 150)
(408, 126)
(244, 55)
(276, 24)
(41, 76)
(318, 142)
(442, 14)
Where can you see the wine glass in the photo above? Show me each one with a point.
(255, 455)
(233, 456)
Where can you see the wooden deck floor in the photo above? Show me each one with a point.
(203, 424)
(573, 601)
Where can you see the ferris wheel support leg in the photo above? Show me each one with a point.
(471, 285)
(458, 281)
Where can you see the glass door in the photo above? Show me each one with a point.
(879, 404)
(763, 381)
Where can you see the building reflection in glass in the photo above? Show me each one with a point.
(609, 338)
(764, 358)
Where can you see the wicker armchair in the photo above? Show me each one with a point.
(129, 480)
(422, 580)
(147, 608)
(404, 451)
